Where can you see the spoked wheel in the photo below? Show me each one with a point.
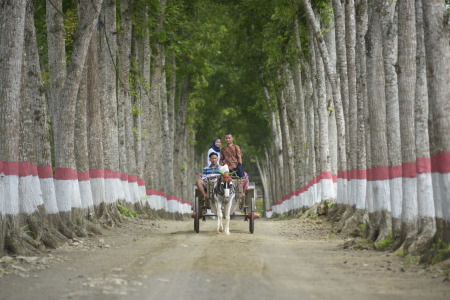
(251, 219)
(196, 215)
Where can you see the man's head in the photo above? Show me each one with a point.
(213, 159)
(229, 138)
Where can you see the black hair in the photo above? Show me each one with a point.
(228, 133)
(213, 153)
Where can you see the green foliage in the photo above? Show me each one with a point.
(28, 231)
(439, 250)
(259, 206)
(125, 212)
(330, 204)
(384, 244)
(400, 252)
(362, 226)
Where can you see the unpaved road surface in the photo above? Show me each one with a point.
(159, 259)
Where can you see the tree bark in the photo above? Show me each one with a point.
(11, 52)
(124, 101)
(95, 133)
(406, 92)
(340, 120)
(426, 209)
(380, 219)
(107, 93)
(56, 59)
(437, 51)
(41, 127)
(67, 191)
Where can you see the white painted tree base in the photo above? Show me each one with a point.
(49, 195)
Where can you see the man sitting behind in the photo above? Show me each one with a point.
(208, 171)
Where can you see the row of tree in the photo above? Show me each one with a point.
(92, 113)
(362, 113)
(337, 101)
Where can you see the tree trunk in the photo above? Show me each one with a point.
(360, 171)
(108, 99)
(95, 133)
(167, 149)
(312, 121)
(41, 128)
(437, 49)
(123, 99)
(350, 40)
(388, 17)
(154, 163)
(11, 52)
(324, 167)
(31, 204)
(81, 145)
(66, 181)
(277, 146)
(341, 59)
(56, 59)
(300, 112)
(426, 209)
(287, 145)
(330, 40)
(380, 219)
(340, 121)
(406, 95)
(136, 53)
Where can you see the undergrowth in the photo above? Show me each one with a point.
(126, 212)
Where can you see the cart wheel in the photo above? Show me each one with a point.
(196, 215)
(251, 223)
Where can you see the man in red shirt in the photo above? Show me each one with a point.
(231, 155)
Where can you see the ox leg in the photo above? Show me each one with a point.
(219, 216)
(227, 215)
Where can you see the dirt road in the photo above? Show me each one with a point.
(144, 259)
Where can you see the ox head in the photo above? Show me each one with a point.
(226, 186)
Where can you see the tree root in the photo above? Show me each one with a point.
(426, 236)
(43, 229)
(352, 225)
(55, 219)
(345, 216)
(385, 226)
(93, 228)
(17, 241)
(396, 233)
(103, 215)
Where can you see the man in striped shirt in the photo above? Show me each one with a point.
(208, 171)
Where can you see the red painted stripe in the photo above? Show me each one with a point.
(34, 170)
(24, 168)
(83, 176)
(45, 171)
(172, 197)
(423, 165)
(97, 173)
(66, 174)
(141, 182)
(132, 178)
(124, 177)
(440, 163)
(11, 168)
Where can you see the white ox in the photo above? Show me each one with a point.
(224, 193)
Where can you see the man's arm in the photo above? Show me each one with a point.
(239, 154)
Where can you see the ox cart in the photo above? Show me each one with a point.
(244, 199)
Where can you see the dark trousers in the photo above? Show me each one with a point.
(240, 171)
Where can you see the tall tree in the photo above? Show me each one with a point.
(437, 49)
(11, 51)
(66, 181)
(426, 209)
